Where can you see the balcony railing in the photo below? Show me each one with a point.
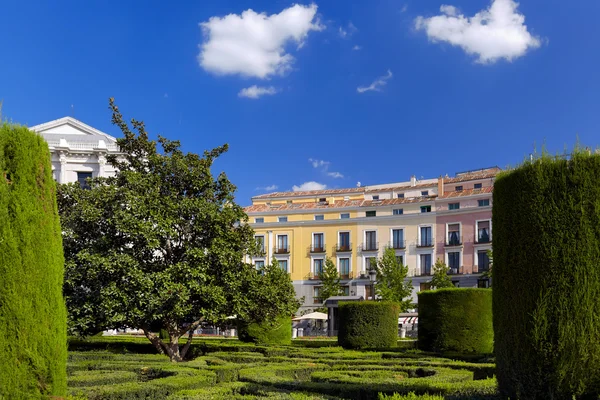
(397, 244)
(370, 246)
(282, 249)
(424, 272)
(483, 239)
(342, 247)
(481, 269)
(347, 275)
(314, 276)
(454, 241)
(425, 242)
(455, 270)
(320, 248)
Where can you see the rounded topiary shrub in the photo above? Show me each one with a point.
(546, 296)
(456, 320)
(276, 332)
(368, 324)
(33, 342)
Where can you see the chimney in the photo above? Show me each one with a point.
(440, 186)
(413, 180)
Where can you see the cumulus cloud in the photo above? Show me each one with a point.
(312, 185)
(253, 44)
(356, 47)
(318, 163)
(254, 92)
(267, 188)
(335, 175)
(492, 34)
(377, 84)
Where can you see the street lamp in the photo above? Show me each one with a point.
(372, 277)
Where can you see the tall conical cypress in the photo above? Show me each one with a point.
(33, 348)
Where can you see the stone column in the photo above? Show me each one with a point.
(63, 167)
(101, 164)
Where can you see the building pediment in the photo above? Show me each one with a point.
(68, 128)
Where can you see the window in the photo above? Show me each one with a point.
(260, 241)
(368, 292)
(323, 200)
(483, 203)
(483, 283)
(425, 193)
(82, 178)
(454, 262)
(345, 290)
(370, 263)
(424, 286)
(397, 238)
(477, 186)
(282, 219)
(345, 268)
(344, 215)
(317, 295)
(398, 211)
(400, 260)
(344, 241)
(456, 283)
(282, 244)
(458, 188)
(260, 265)
(426, 238)
(283, 264)
(425, 209)
(288, 202)
(483, 261)
(453, 235)
(483, 232)
(425, 264)
(318, 267)
(319, 217)
(375, 197)
(346, 198)
(318, 242)
(370, 240)
(400, 195)
(372, 213)
(454, 206)
(268, 203)
(260, 220)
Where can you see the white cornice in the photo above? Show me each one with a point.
(73, 122)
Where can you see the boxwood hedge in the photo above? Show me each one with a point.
(33, 334)
(457, 320)
(546, 219)
(276, 332)
(368, 324)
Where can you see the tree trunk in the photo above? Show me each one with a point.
(155, 340)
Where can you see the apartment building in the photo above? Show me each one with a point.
(422, 220)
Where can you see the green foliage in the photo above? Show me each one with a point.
(391, 282)
(546, 222)
(278, 331)
(33, 349)
(456, 320)
(158, 246)
(440, 278)
(368, 324)
(330, 281)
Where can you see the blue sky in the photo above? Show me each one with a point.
(454, 84)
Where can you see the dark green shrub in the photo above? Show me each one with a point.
(546, 296)
(368, 324)
(456, 320)
(33, 341)
(276, 332)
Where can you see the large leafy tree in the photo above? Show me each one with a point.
(391, 284)
(158, 246)
(440, 278)
(330, 280)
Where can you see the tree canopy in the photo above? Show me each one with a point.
(158, 246)
(440, 278)
(391, 284)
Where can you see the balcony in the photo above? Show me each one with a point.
(347, 275)
(285, 249)
(397, 245)
(424, 272)
(313, 277)
(482, 269)
(317, 300)
(484, 239)
(453, 241)
(315, 249)
(343, 247)
(456, 270)
(370, 246)
(425, 242)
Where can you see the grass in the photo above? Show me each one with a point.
(118, 368)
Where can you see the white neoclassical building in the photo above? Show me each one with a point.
(78, 150)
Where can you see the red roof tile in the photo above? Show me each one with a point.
(467, 192)
(310, 193)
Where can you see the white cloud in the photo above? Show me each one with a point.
(335, 175)
(356, 47)
(349, 31)
(312, 185)
(404, 8)
(377, 84)
(343, 33)
(318, 163)
(254, 92)
(253, 44)
(492, 34)
(267, 188)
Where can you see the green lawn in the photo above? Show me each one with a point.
(128, 368)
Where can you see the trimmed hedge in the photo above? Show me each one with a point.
(277, 332)
(368, 324)
(33, 330)
(457, 320)
(546, 296)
